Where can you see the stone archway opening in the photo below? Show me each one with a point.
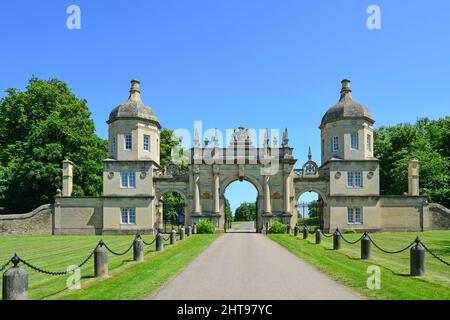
(173, 211)
(310, 210)
(241, 206)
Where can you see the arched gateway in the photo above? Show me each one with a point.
(134, 183)
(270, 169)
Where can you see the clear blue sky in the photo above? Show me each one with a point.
(258, 63)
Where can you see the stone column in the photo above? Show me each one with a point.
(67, 178)
(413, 177)
(216, 193)
(287, 194)
(267, 198)
(196, 192)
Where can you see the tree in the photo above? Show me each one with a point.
(313, 209)
(39, 128)
(245, 212)
(228, 212)
(428, 141)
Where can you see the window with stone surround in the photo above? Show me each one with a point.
(146, 142)
(335, 143)
(354, 179)
(128, 142)
(128, 180)
(354, 141)
(128, 215)
(354, 215)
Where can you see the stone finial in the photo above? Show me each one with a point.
(216, 138)
(309, 153)
(275, 142)
(67, 178)
(135, 90)
(285, 138)
(197, 139)
(206, 142)
(345, 90)
(266, 138)
(413, 177)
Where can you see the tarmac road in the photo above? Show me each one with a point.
(246, 265)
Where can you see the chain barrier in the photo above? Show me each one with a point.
(5, 265)
(166, 239)
(391, 252)
(53, 273)
(434, 255)
(148, 243)
(350, 242)
(118, 253)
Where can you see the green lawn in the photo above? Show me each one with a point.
(346, 267)
(129, 280)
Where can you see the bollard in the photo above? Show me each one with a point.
(336, 240)
(15, 282)
(296, 231)
(417, 259)
(138, 249)
(194, 229)
(159, 242)
(101, 262)
(288, 229)
(318, 236)
(182, 234)
(189, 231)
(365, 247)
(305, 232)
(173, 237)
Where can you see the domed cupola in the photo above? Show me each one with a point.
(347, 129)
(346, 108)
(134, 130)
(134, 108)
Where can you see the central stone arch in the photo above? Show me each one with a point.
(227, 180)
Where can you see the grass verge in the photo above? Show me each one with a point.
(57, 253)
(141, 280)
(346, 267)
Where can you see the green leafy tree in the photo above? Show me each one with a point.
(428, 141)
(245, 212)
(39, 128)
(313, 209)
(228, 212)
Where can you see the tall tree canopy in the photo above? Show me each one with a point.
(39, 128)
(245, 212)
(429, 141)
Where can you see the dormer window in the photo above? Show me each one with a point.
(128, 142)
(335, 144)
(354, 141)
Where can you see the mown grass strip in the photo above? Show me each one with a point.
(346, 267)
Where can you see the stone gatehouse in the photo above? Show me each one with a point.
(347, 180)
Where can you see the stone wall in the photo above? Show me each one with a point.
(37, 222)
(438, 217)
(78, 216)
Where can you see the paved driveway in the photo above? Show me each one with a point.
(243, 265)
